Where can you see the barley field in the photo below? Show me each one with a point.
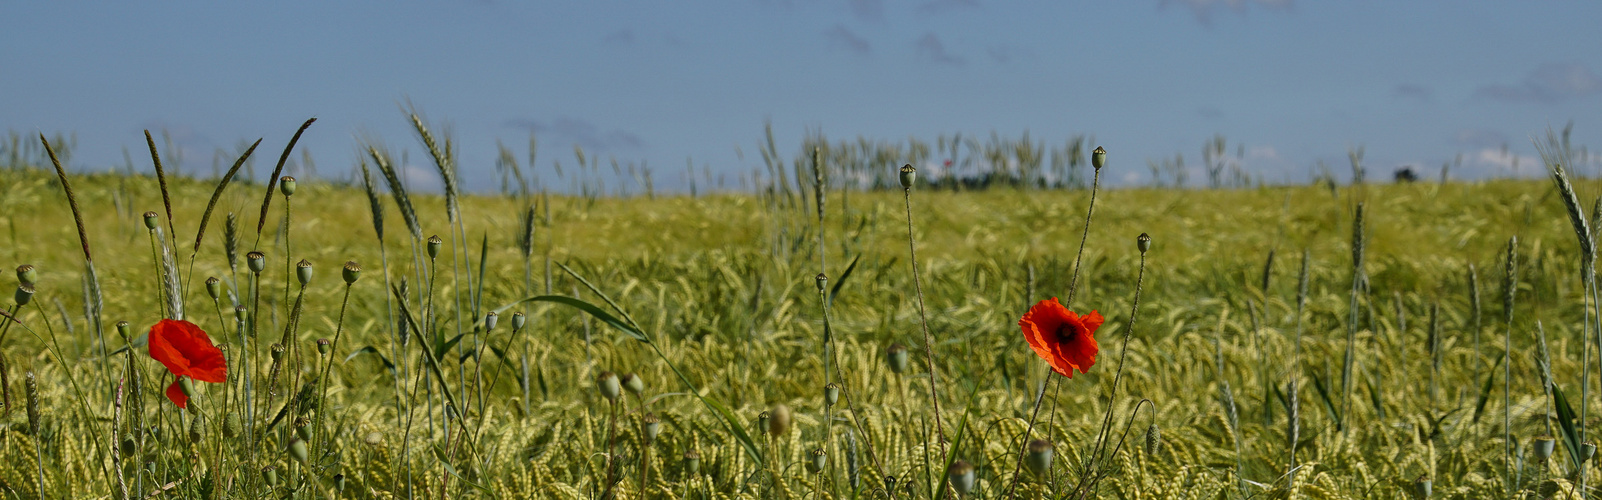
(1409, 340)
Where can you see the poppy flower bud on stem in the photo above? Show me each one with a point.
(433, 246)
(607, 383)
(24, 294)
(257, 261)
(26, 274)
(150, 220)
(908, 176)
(352, 271)
(214, 287)
(634, 383)
(286, 185)
(303, 272)
(1098, 158)
(270, 475)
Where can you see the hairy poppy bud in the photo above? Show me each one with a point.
(653, 426)
(896, 356)
(123, 330)
(779, 420)
(1040, 455)
(214, 287)
(26, 274)
(286, 185)
(1143, 242)
(1098, 158)
(24, 294)
(433, 246)
(823, 282)
(908, 175)
(608, 384)
(1154, 439)
(961, 476)
(518, 320)
(303, 272)
(297, 449)
(322, 346)
(831, 394)
(187, 385)
(490, 320)
(196, 428)
(150, 220)
(820, 458)
(352, 271)
(692, 462)
(633, 383)
(257, 261)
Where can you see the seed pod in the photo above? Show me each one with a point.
(1543, 448)
(24, 294)
(908, 176)
(819, 459)
(518, 320)
(230, 427)
(823, 282)
(1586, 450)
(214, 287)
(302, 428)
(27, 274)
(896, 356)
(352, 271)
(124, 330)
(961, 476)
(831, 394)
(692, 462)
(32, 386)
(779, 420)
(303, 271)
(608, 384)
(286, 185)
(150, 220)
(322, 347)
(762, 421)
(1039, 459)
(1422, 487)
(889, 483)
(1098, 158)
(634, 383)
(339, 482)
(297, 449)
(490, 320)
(187, 385)
(1143, 242)
(256, 261)
(240, 313)
(277, 352)
(433, 246)
(270, 475)
(196, 428)
(653, 426)
(1154, 439)
(128, 446)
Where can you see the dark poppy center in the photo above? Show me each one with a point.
(1066, 332)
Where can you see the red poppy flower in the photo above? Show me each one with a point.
(1064, 339)
(187, 352)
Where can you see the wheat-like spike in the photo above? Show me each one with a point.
(272, 180)
(398, 190)
(231, 241)
(442, 161)
(161, 180)
(525, 240)
(373, 203)
(216, 195)
(72, 200)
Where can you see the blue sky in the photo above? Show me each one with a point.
(1294, 82)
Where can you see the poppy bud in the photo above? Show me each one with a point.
(433, 246)
(518, 321)
(286, 185)
(653, 426)
(961, 476)
(322, 347)
(1586, 450)
(339, 482)
(819, 459)
(823, 282)
(692, 462)
(779, 420)
(230, 427)
(240, 313)
(634, 384)
(831, 394)
(277, 351)
(1154, 439)
(1543, 448)
(608, 384)
(270, 475)
(297, 449)
(896, 356)
(122, 330)
(1143, 242)
(150, 220)
(1039, 460)
(490, 320)
(26, 274)
(196, 428)
(187, 385)
(1098, 158)
(889, 482)
(257, 261)
(214, 287)
(303, 272)
(352, 271)
(908, 175)
(24, 294)
(128, 445)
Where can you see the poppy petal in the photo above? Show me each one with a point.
(1092, 322)
(1039, 324)
(176, 394)
(186, 350)
(162, 348)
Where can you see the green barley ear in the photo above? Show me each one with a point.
(31, 384)
(27, 274)
(231, 241)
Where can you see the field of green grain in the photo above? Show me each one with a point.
(1421, 374)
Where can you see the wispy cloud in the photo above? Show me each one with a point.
(842, 37)
(932, 49)
(1549, 83)
(1204, 10)
(1412, 91)
(581, 132)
